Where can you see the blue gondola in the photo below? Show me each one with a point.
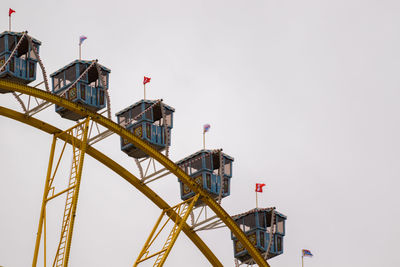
(89, 91)
(256, 224)
(22, 66)
(204, 167)
(145, 120)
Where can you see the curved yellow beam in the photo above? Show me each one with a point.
(129, 177)
(142, 145)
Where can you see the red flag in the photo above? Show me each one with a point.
(259, 187)
(10, 11)
(146, 80)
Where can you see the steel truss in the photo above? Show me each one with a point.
(204, 219)
(183, 210)
(78, 135)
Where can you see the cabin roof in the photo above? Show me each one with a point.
(200, 152)
(238, 216)
(78, 61)
(145, 101)
(19, 34)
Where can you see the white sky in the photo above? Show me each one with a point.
(303, 94)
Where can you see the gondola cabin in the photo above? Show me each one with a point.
(151, 121)
(21, 67)
(89, 91)
(204, 167)
(257, 226)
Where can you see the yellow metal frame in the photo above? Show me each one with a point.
(167, 163)
(77, 133)
(184, 209)
(121, 171)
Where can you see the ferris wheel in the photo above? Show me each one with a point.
(79, 92)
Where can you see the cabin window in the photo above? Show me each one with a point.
(268, 228)
(90, 95)
(12, 64)
(23, 56)
(102, 81)
(147, 114)
(279, 243)
(135, 113)
(23, 68)
(70, 75)
(261, 220)
(23, 48)
(249, 222)
(58, 81)
(244, 226)
(207, 159)
(262, 239)
(157, 115)
(2, 44)
(168, 118)
(226, 185)
(31, 70)
(215, 162)
(123, 119)
(93, 77)
(11, 43)
(101, 97)
(94, 83)
(184, 167)
(83, 91)
(32, 53)
(273, 228)
(227, 168)
(280, 226)
(208, 181)
(196, 165)
(82, 68)
(104, 75)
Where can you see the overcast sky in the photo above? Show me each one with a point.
(303, 94)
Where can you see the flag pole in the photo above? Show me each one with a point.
(302, 261)
(204, 139)
(144, 86)
(256, 199)
(9, 23)
(80, 53)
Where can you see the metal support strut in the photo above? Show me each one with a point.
(79, 145)
(183, 210)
